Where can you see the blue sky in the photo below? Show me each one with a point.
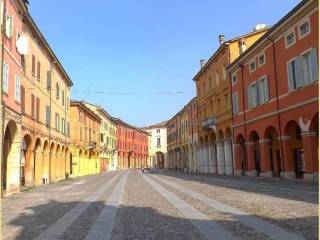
(143, 48)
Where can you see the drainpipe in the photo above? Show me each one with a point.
(1, 84)
(278, 108)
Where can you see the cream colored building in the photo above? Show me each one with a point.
(108, 133)
(157, 145)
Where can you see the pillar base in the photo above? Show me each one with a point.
(251, 173)
(313, 177)
(238, 173)
(221, 170)
(229, 170)
(267, 174)
(289, 175)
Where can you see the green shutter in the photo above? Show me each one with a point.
(314, 65)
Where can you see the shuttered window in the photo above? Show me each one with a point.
(5, 78)
(263, 90)
(38, 71)
(48, 117)
(17, 89)
(33, 106)
(23, 100)
(303, 70)
(33, 69)
(38, 109)
(235, 105)
(252, 95)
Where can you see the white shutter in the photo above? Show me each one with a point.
(266, 89)
(9, 26)
(17, 89)
(314, 65)
(5, 78)
(298, 72)
(290, 76)
(254, 94)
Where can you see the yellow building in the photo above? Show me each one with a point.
(45, 91)
(84, 140)
(108, 131)
(214, 103)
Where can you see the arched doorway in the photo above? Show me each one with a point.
(38, 162)
(240, 155)
(159, 160)
(274, 151)
(26, 176)
(296, 155)
(10, 154)
(254, 138)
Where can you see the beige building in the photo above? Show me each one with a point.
(108, 131)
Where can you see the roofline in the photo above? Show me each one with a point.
(161, 124)
(181, 110)
(82, 104)
(37, 30)
(119, 121)
(268, 33)
(100, 109)
(225, 44)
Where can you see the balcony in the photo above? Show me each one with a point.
(92, 145)
(209, 123)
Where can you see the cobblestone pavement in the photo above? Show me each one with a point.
(163, 205)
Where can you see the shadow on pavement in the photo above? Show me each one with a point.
(286, 189)
(133, 223)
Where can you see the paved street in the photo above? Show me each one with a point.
(163, 205)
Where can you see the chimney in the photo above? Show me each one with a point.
(202, 63)
(221, 39)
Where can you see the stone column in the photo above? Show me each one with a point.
(221, 161)
(251, 170)
(190, 158)
(200, 159)
(311, 162)
(206, 158)
(212, 159)
(265, 158)
(237, 155)
(228, 156)
(195, 159)
(287, 161)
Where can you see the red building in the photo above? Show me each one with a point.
(275, 99)
(132, 145)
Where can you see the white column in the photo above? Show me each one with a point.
(213, 159)
(206, 158)
(196, 159)
(228, 157)
(200, 159)
(220, 150)
(190, 158)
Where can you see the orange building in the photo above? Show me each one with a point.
(85, 145)
(10, 94)
(132, 145)
(275, 99)
(182, 139)
(214, 103)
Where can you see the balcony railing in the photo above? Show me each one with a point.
(209, 123)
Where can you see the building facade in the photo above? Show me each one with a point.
(85, 144)
(182, 139)
(13, 12)
(275, 99)
(214, 102)
(132, 146)
(157, 145)
(108, 141)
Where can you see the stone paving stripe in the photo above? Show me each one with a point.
(102, 228)
(263, 226)
(208, 228)
(60, 226)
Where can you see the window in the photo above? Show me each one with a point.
(263, 89)
(48, 113)
(304, 29)
(17, 89)
(101, 137)
(33, 105)
(234, 78)
(224, 73)
(38, 109)
(5, 78)
(158, 142)
(62, 97)
(217, 78)
(63, 125)
(57, 122)
(252, 65)
(226, 102)
(303, 70)
(38, 73)
(48, 80)
(23, 104)
(261, 59)
(290, 39)
(68, 129)
(9, 26)
(57, 91)
(158, 130)
(33, 68)
(235, 104)
(252, 95)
